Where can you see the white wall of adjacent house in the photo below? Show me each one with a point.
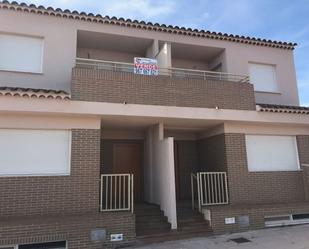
(272, 153)
(160, 173)
(34, 152)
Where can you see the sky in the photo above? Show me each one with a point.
(283, 20)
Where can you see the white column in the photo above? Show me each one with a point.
(164, 57)
(162, 184)
(153, 49)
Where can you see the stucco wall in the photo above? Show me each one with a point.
(99, 54)
(60, 52)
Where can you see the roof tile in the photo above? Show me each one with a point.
(118, 21)
(34, 93)
(282, 109)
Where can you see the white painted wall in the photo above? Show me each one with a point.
(107, 55)
(160, 172)
(148, 167)
(164, 57)
(60, 51)
(153, 49)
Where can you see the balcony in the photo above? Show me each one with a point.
(180, 73)
(115, 82)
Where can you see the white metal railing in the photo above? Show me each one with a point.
(117, 192)
(172, 72)
(209, 188)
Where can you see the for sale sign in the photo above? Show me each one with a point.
(145, 66)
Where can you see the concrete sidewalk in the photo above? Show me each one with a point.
(296, 237)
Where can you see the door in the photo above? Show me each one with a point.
(127, 158)
(186, 159)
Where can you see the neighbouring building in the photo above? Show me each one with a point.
(94, 154)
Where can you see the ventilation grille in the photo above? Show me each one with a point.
(286, 220)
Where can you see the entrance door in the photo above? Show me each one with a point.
(186, 161)
(127, 158)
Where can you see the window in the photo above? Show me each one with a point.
(50, 245)
(34, 152)
(272, 153)
(263, 77)
(21, 53)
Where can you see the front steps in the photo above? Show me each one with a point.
(152, 226)
(150, 220)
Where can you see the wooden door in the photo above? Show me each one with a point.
(127, 158)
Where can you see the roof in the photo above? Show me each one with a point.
(89, 17)
(34, 93)
(282, 109)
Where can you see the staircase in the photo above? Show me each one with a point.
(152, 226)
(150, 221)
(191, 223)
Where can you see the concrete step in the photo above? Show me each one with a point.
(150, 220)
(153, 230)
(152, 226)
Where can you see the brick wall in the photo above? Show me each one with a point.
(75, 229)
(212, 153)
(119, 87)
(227, 152)
(303, 150)
(58, 194)
(260, 193)
(256, 214)
(53, 208)
(258, 187)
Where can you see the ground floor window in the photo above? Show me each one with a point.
(50, 245)
(272, 153)
(34, 152)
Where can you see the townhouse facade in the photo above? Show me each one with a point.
(95, 155)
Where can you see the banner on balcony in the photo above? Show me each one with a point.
(145, 66)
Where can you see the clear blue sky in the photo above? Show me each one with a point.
(283, 20)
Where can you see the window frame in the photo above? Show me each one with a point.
(45, 174)
(41, 71)
(295, 145)
(277, 91)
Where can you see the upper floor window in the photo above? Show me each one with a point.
(21, 53)
(263, 77)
